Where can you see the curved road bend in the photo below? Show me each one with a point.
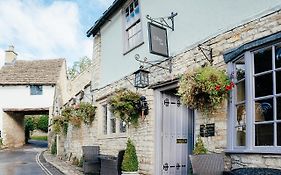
(24, 161)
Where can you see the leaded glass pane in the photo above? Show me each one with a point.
(263, 85)
(278, 57)
(240, 69)
(264, 134)
(240, 125)
(279, 108)
(240, 91)
(278, 82)
(278, 134)
(264, 110)
(263, 60)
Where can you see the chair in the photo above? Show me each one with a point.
(91, 161)
(207, 164)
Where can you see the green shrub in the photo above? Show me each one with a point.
(81, 162)
(54, 147)
(199, 147)
(130, 160)
(42, 123)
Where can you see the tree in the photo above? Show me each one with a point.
(78, 67)
(42, 123)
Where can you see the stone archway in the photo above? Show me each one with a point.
(13, 134)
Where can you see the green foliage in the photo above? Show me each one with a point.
(205, 88)
(82, 112)
(39, 138)
(78, 67)
(124, 105)
(54, 147)
(29, 124)
(60, 124)
(1, 142)
(130, 160)
(42, 123)
(81, 162)
(199, 147)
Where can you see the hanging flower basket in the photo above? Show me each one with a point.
(124, 104)
(205, 88)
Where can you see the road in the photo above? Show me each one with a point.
(25, 160)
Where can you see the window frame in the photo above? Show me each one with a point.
(250, 99)
(36, 90)
(127, 27)
(107, 132)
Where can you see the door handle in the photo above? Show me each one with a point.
(166, 167)
(178, 166)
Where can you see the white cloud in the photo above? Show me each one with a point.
(41, 31)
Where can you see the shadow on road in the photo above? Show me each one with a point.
(37, 143)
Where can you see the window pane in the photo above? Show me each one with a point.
(105, 119)
(264, 134)
(113, 125)
(264, 110)
(240, 91)
(278, 57)
(263, 60)
(263, 85)
(278, 82)
(278, 134)
(241, 125)
(240, 69)
(279, 108)
(122, 126)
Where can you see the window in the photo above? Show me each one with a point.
(111, 124)
(36, 90)
(255, 120)
(132, 26)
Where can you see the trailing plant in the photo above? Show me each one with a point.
(81, 112)
(199, 147)
(130, 160)
(205, 88)
(60, 124)
(124, 104)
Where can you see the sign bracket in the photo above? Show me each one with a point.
(164, 21)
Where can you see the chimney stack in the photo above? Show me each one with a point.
(10, 56)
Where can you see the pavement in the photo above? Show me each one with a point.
(64, 166)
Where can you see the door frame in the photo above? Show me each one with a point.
(158, 125)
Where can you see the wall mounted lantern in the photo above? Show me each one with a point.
(141, 78)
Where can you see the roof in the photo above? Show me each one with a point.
(104, 18)
(23, 72)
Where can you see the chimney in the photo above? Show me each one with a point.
(10, 56)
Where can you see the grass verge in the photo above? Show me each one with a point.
(39, 138)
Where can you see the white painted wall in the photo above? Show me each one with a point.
(19, 97)
(196, 20)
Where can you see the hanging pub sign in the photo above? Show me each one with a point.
(158, 41)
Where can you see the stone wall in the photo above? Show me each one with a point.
(185, 61)
(13, 130)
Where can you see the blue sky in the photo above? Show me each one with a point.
(44, 29)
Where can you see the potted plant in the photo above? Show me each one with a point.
(130, 162)
(205, 88)
(124, 104)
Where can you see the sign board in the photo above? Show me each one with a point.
(158, 41)
(181, 141)
(207, 130)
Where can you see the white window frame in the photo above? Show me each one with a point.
(109, 117)
(249, 103)
(126, 26)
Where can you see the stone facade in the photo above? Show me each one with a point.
(143, 137)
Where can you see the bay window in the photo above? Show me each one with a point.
(255, 105)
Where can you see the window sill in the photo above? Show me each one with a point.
(275, 151)
(113, 136)
(126, 52)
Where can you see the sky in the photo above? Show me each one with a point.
(44, 29)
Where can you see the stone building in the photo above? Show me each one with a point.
(251, 47)
(27, 88)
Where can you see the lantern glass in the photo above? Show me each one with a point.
(141, 78)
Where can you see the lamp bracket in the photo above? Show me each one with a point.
(209, 55)
(145, 61)
(164, 20)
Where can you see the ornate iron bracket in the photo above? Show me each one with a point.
(209, 56)
(145, 61)
(163, 20)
